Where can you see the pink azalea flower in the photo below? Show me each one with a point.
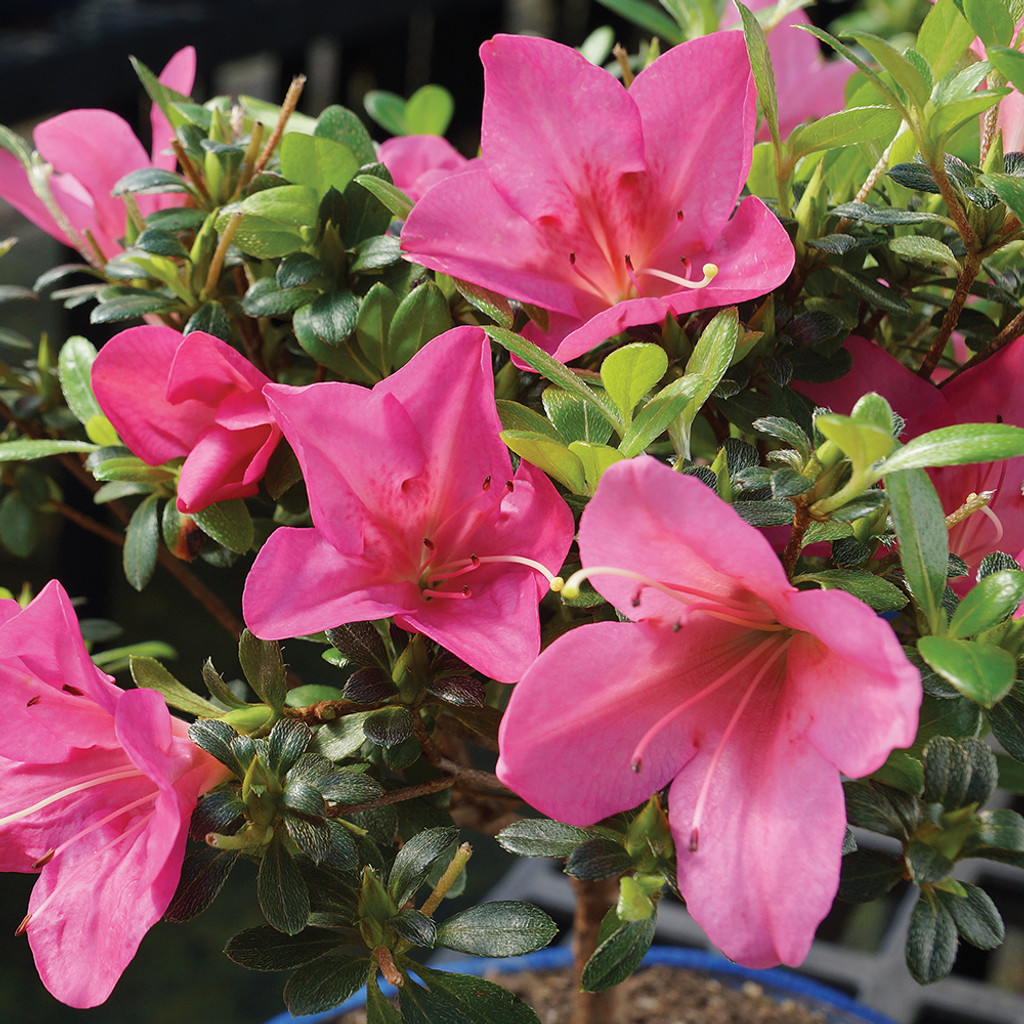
(416, 162)
(807, 85)
(98, 785)
(990, 391)
(416, 513)
(194, 396)
(90, 151)
(746, 697)
(602, 205)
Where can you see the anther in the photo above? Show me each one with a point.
(73, 690)
(20, 930)
(694, 838)
(679, 216)
(32, 701)
(45, 859)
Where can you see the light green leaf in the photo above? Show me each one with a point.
(958, 446)
(981, 672)
(845, 128)
(25, 451)
(943, 38)
(549, 456)
(274, 221)
(990, 20)
(429, 110)
(997, 595)
(595, 458)
(863, 443)
(149, 674)
(925, 249)
(1010, 190)
(663, 408)
(764, 73)
(924, 543)
(573, 418)
(75, 368)
(905, 73)
(320, 163)
(880, 594)
(1009, 63)
(630, 372)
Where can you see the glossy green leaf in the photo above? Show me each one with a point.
(904, 72)
(957, 446)
(140, 543)
(422, 315)
(343, 125)
(263, 668)
(74, 365)
(151, 675)
(282, 894)
(388, 194)
(415, 859)
(630, 372)
(1009, 188)
(863, 443)
(595, 459)
(924, 249)
(663, 409)
(619, 954)
(920, 527)
(761, 66)
(846, 128)
(996, 596)
(874, 591)
(552, 457)
(540, 837)
(26, 450)
(982, 672)
(274, 221)
(502, 928)
(325, 983)
(573, 418)
(266, 949)
(228, 523)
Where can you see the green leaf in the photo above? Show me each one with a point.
(387, 109)
(990, 20)
(958, 445)
(958, 773)
(630, 372)
(540, 837)
(595, 459)
(25, 451)
(140, 543)
(598, 858)
(863, 443)
(415, 859)
(664, 408)
(502, 928)
(867, 875)
(320, 163)
(373, 325)
(557, 372)
(266, 949)
(574, 419)
(872, 76)
(872, 290)
(378, 1009)
(552, 457)
(263, 668)
(324, 983)
(711, 357)
(619, 954)
(422, 315)
(390, 726)
(521, 418)
(952, 115)
(924, 249)
(981, 672)
(361, 643)
(286, 743)
(461, 999)
(151, 675)
(274, 221)
(150, 180)
(975, 915)
(648, 17)
(203, 874)
(218, 688)
(428, 111)
(845, 128)
(228, 523)
(904, 72)
(920, 527)
(761, 66)
(880, 594)
(1009, 188)
(415, 927)
(926, 864)
(943, 38)
(996, 596)
(282, 894)
(389, 195)
(342, 125)
(931, 940)
(490, 303)
(869, 214)
(74, 365)
(1009, 63)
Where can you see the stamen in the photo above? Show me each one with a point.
(632, 276)
(20, 930)
(586, 278)
(45, 859)
(636, 760)
(571, 589)
(116, 813)
(710, 273)
(698, 811)
(474, 563)
(454, 595)
(99, 780)
(32, 701)
(556, 583)
(994, 519)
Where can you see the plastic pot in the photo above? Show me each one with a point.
(836, 1007)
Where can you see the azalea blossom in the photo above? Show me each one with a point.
(986, 393)
(415, 162)
(89, 152)
(746, 697)
(807, 85)
(98, 785)
(416, 513)
(607, 207)
(194, 396)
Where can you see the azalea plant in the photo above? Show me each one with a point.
(650, 484)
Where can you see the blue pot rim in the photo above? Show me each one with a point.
(779, 979)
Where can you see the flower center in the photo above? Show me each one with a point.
(623, 279)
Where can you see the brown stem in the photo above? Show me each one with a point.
(87, 523)
(593, 901)
(1011, 332)
(956, 211)
(291, 101)
(972, 264)
(190, 172)
(801, 521)
(396, 796)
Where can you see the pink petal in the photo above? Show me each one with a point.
(208, 370)
(152, 427)
(679, 81)
(301, 584)
(16, 190)
(574, 720)
(535, 89)
(668, 539)
(416, 162)
(178, 74)
(761, 879)
(221, 466)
